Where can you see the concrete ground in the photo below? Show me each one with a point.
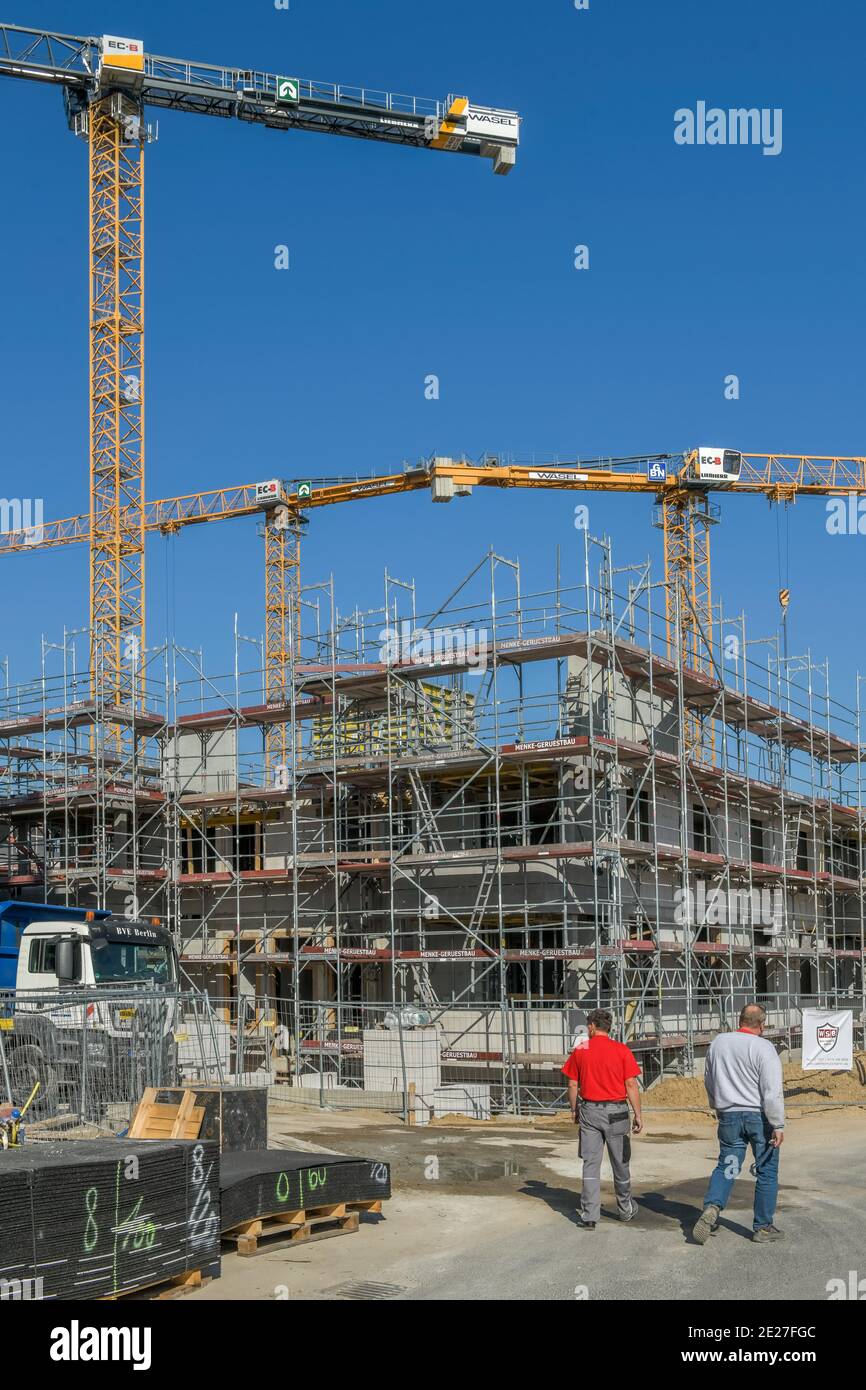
(488, 1211)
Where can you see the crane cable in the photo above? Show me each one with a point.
(170, 587)
(783, 562)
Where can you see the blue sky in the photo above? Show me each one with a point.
(703, 262)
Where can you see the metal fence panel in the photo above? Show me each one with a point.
(90, 1053)
(93, 1052)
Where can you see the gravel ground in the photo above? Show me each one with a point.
(490, 1211)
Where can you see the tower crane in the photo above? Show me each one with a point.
(108, 83)
(680, 484)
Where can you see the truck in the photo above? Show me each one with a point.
(88, 1004)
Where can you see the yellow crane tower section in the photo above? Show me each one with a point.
(115, 129)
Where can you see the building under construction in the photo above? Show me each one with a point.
(503, 814)
(520, 809)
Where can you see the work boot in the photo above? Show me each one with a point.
(707, 1224)
(765, 1233)
(631, 1214)
(585, 1225)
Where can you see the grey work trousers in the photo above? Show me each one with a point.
(604, 1122)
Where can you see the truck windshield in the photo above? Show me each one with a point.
(128, 960)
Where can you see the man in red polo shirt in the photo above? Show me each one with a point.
(602, 1078)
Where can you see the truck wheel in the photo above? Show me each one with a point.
(27, 1065)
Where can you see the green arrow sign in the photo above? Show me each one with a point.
(288, 90)
(305, 492)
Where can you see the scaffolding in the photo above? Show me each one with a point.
(500, 815)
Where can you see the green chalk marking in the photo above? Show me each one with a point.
(91, 1230)
(127, 1225)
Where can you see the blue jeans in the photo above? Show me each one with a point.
(737, 1130)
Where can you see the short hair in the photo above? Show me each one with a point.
(752, 1016)
(600, 1018)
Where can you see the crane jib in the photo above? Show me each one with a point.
(86, 67)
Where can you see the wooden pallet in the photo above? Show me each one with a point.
(278, 1229)
(174, 1286)
(166, 1120)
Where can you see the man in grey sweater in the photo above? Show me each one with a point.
(743, 1077)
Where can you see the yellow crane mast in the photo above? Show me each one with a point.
(116, 177)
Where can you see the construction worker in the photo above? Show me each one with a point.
(602, 1080)
(743, 1077)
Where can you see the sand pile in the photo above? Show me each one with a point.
(800, 1086)
(827, 1085)
(677, 1090)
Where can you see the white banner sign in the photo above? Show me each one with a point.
(828, 1039)
(499, 127)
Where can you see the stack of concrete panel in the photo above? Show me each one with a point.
(392, 1064)
(316, 1081)
(96, 1218)
(279, 1180)
(462, 1098)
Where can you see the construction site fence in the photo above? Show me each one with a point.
(84, 1057)
(425, 1062)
